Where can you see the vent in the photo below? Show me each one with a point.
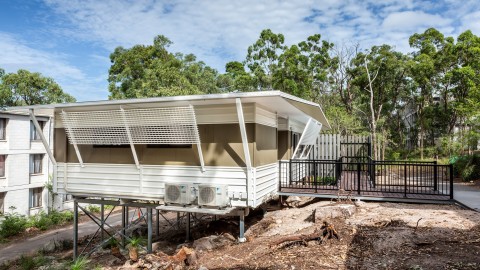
(179, 194)
(213, 195)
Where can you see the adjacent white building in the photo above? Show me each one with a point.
(24, 165)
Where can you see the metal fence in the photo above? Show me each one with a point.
(398, 179)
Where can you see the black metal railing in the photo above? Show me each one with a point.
(407, 179)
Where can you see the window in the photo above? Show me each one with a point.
(34, 135)
(36, 197)
(2, 202)
(2, 165)
(36, 161)
(3, 128)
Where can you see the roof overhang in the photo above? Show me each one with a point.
(283, 104)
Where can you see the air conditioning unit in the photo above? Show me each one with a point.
(213, 195)
(179, 193)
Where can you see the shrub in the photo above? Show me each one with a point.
(80, 263)
(93, 208)
(467, 167)
(13, 224)
(41, 221)
(27, 263)
(61, 217)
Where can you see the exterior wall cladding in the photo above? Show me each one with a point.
(20, 187)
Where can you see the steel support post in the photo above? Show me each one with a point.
(75, 229)
(150, 229)
(241, 238)
(123, 226)
(102, 217)
(157, 227)
(187, 228)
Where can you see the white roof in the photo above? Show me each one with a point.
(283, 104)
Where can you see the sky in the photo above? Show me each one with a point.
(71, 40)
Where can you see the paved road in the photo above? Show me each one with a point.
(31, 245)
(467, 195)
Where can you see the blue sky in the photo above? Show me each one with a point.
(71, 40)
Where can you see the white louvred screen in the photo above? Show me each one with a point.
(308, 139)
(172, 125)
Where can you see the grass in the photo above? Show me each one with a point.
(80, 263)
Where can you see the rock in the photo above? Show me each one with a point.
(229, 237)
(159, 245)
(359, 203)
(211, 242)
(50, 246)
(32, 229)
(192, 258)
(334, 211)
(278, 221)
(202, 268)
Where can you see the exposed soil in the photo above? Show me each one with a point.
(376, 236)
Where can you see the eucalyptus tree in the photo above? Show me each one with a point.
(151, 70)
(262, 57)
(30, 88)
(380, 82)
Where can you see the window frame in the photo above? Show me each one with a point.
(36, 197)
(2, 202)
(4, 166)
(32, 164)
(34, 135)
(3, 133)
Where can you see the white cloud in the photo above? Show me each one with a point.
(17, 54)
(413, 20)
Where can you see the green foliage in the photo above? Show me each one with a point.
(27, 263)
(27, 88)
(93, 208)
(153, 71)
(325, 180)
(467, 167)
(81, 263)
(13, 224)
(136, 242)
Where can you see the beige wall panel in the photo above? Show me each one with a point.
(284, 140)
(221, 146)
(265, 145)
(60, 145)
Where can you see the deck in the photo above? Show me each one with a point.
(406, 182)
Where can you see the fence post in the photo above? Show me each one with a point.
(290, 172)
(435, 176)
(451, 181)
(315, 178)
(372, 173)
(405, 176)
(279, 175)
(359, 174)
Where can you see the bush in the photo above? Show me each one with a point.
(467, 167)
(61, 217)
(13, 224)
(26, 263)
(93, 208)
